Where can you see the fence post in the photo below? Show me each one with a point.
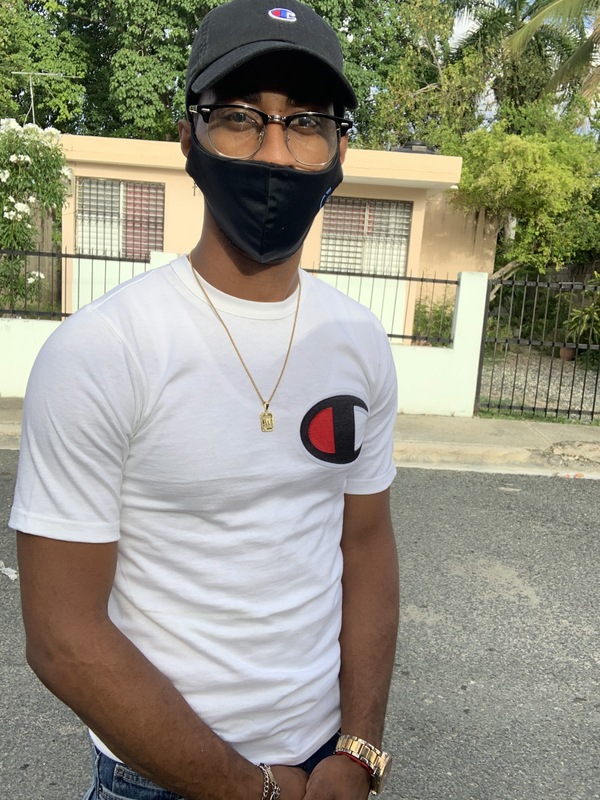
(484, 328)
(469, 325)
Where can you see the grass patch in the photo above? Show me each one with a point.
(535, 416)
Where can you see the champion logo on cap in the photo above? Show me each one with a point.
(283, 14)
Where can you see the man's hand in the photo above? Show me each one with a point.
(338, 778)
(292, 782)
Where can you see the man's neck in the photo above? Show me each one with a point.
(216, 260)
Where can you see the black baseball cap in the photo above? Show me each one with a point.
(236, 32)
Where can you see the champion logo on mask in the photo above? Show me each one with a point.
(283, 14)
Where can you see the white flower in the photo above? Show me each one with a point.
(31, 199)
(10, 215)
(10, 125)
(35, 276)
(4, 175)
(22, 208)
(20, 158)
(66, 172)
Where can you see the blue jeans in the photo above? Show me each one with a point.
(114, 781)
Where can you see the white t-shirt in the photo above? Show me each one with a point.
(140, 425)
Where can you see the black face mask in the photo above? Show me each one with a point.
(264, 209)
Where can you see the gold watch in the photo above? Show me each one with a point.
(377, 762)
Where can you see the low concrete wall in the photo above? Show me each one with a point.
(431, 380)
(443, 380)
(20, 342)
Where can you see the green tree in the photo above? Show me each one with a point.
(438, 90)
(526, 165)
(133, 56)
(373, 38)
(513, 80)
(426, 94)
(581, 66)
(124, 61)
(39, 62)
(537, 186)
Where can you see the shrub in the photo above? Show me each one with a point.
(34, 179)
(433, 321)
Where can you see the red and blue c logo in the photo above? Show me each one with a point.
(283, 14)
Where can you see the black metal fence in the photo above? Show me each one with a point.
(541, 349)
(30, 284)
(432, 303)
(415, 310)
(52, 285)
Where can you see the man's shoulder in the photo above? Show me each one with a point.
(157, 282)
(131, 312)
(339, 304)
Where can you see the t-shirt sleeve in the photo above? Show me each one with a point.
(374, 470)
(80, 410)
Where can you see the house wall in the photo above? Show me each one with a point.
(132, 160)
(454, 241)
(412, 177)
(368, 174)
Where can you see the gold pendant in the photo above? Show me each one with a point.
(267, 421)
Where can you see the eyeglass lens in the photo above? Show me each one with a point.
(238, 133)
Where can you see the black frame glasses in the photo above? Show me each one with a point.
(342, 124)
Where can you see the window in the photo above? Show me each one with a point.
(361, 235)
(119, 218)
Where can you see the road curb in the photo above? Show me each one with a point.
(494, 458)
(449, 452)
(10, 436)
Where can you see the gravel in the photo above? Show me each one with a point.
(530, 381)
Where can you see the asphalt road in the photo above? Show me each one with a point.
(496, 692)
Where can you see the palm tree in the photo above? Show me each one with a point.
(581, 17)
(514, 80)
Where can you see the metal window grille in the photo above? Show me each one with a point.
(98, 228)
(361, 235)
(144, 218)
(123, 219)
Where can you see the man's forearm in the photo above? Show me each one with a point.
(368, 637)
(367, 642)
(142, 717)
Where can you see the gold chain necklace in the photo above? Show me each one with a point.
(267, 420)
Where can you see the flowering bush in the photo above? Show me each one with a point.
(34, 179)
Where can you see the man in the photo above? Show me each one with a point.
(208, 569)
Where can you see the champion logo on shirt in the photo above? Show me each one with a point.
(283, 14)
(329, 430)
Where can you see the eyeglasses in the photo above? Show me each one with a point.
(238, 131)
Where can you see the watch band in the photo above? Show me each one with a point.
(374, 760)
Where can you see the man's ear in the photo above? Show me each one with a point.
(343, 148)
(185, 136)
